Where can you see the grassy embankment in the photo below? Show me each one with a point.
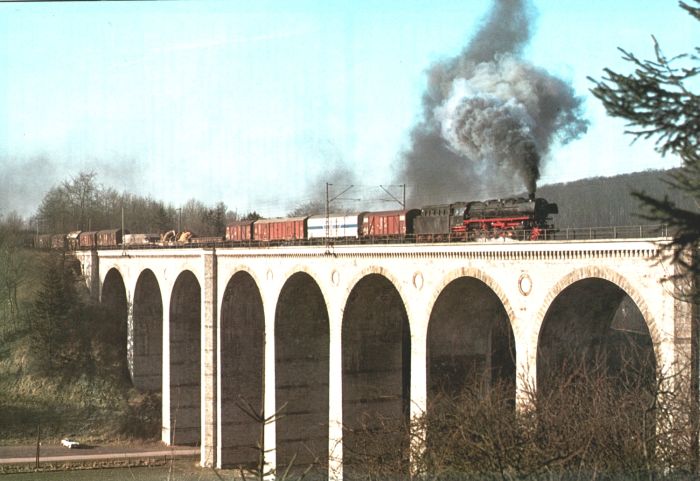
(178, 470)
(75, 387)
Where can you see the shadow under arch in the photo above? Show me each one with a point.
(594, 315)
(487, 280)
(302, 344)
(603, 273)
(116, 305)
(185, 360)
(470, 342)
(146, 364)
(376, 358)
(242, 376)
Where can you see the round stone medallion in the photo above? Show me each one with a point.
(524, 284)
(418, 280)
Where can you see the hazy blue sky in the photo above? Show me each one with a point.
(248, 101)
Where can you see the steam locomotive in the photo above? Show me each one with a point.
(514, 218)
(519, 218)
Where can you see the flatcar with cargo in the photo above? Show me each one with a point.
(208, 241)
(141, 239)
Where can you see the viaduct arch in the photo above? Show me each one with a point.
(185, 359)
(339, 334)
(241, 389)
(585, 305)
(302, 346)
(146, 334)
(376, 348)
(115, 299)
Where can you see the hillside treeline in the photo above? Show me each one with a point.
(608, 201)
(81, 203)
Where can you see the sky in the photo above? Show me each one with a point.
(258, 103)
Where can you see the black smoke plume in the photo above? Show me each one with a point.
(489, 117)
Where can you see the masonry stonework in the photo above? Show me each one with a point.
(524, 279)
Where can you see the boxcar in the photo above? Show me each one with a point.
(392, 223)
(43, 241)
(269, 230)
(73, 240)
(87, 240)
(240, 231)
(110, 237)
(339, 226)
(58, 241)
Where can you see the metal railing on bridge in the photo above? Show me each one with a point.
(615, 232)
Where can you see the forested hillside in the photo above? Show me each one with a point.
(607, 201)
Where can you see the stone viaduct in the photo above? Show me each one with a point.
(328, 334)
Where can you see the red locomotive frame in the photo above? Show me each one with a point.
(507, 227)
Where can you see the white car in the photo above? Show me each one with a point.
(70, 444)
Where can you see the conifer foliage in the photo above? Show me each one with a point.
(57, 318)
(658, 102)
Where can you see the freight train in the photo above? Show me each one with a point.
(515, 218)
